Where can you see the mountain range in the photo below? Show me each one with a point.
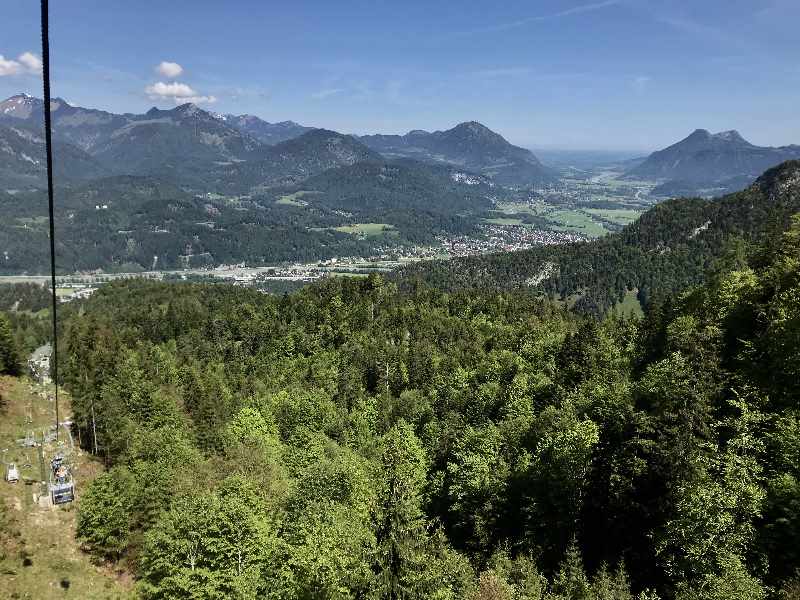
(268, 133)
(705, 160)
(213, 152)
(194, 188)
(209, 152)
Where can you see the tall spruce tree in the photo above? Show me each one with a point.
(9, 355)
(400, 530)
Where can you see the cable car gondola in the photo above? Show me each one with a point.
(61, 486)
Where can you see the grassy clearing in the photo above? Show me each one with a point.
(295, 199)
(348, 274)
(630, 305)
(507, 221)
(65, 291)
(39, 556)
(366, 229)
(575, 221)
(516, 208)
(564, 219)
(621, 215)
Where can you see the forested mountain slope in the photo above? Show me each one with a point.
(352, 441)
(23, 164)
(293, 161)
(669, 248)
(402, 185)
(133, 223)
(179, 145)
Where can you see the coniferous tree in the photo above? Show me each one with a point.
(9, 354)
(400, 531)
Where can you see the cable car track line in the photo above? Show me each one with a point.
(48, 133)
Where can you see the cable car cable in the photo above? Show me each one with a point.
(48, 135)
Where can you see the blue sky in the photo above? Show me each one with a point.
(587, 74)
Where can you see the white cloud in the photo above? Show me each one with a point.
(9, 67)
(170, 90)
(322, 94)
(178, 92)
(169, 69)
(26, 63)
(31, 62)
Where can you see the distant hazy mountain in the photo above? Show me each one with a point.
(706, 159)
(187, 145)
(268, 133)
(469, 145)
(587, 159)
(295, 160)
(22, 160)
(192, 147)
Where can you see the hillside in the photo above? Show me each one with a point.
(402, 185)
(134, 223)
(23, 164)
(85, 128)
(179, 145)
(706, 159)
(39, 554)
(469, 145)
(350, 434)
(669, 248)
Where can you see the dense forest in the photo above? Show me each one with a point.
(26, 308)
(24, 297)
(669, 248)
(354, 440)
